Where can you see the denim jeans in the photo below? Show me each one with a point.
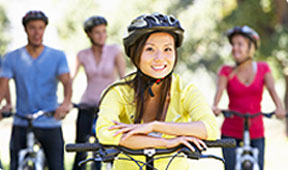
(84, 129)
(51, 140)
(230, 153)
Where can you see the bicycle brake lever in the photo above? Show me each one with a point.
(192, 155)
(227, 114)
(214, 157)
(85, 161)
(269, 115)
(6, 114)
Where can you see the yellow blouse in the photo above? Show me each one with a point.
(187, 104)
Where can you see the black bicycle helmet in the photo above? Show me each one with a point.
(94, 21)
(34, 15)
(246, 31)
(146, 24)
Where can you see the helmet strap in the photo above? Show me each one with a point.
(244, 61)
(151, 81)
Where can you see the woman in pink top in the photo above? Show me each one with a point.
(102, 64)
(244, 84)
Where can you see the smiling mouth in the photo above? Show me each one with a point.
(159, 68)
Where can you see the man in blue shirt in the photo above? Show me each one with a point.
(36, 70)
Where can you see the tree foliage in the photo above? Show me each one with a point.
(4, 39)
(205, 23)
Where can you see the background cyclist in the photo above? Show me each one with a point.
(154, 107)
(102, 64)
(36, 70)
(244, 83)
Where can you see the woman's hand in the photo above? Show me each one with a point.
(280, 113)
(216, 110)
(185, 140)
(132, 129)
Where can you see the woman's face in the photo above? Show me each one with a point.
(98, 35)
(158, 55)
(240, 47)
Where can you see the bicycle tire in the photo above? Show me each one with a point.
(247, 165)
(29, 167)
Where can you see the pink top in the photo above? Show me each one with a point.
(244, 99)
(99, 75)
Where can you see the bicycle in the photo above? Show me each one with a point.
(107, 153)
(32, 157)
(246, 155)
(90, 109)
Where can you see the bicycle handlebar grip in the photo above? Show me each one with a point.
(224, 143)
(7, 114)
(82, 147)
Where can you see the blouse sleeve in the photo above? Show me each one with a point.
(80, 57)
(264, 67)
(109, 111)
(199, 110)
(225, 71)
(7, 67)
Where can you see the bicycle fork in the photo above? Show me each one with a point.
(30, 154)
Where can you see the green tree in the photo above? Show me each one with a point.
(4, 39)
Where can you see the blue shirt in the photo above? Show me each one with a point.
(36, 82)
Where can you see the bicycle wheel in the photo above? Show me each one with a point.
(247, 165)
(29, 167)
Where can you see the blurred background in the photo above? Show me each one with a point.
(204, 50)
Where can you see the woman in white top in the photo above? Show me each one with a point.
(102, 64)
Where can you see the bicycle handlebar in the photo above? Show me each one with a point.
(228, 113)
(6, 114)
(28, 117)
(85, 106)
(86, 147)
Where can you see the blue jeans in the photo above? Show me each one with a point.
(51, 140)
(230, 153)
(84, 129)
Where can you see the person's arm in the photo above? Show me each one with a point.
(203, 124)
(4, 84)
(8, 96)
(8, 106)
(144, 141)
(65, 106)
(269, 82)
(221, 86)
(76, 69)
(120, 64)
(196, 129)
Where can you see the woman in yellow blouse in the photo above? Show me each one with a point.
(153, 107)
